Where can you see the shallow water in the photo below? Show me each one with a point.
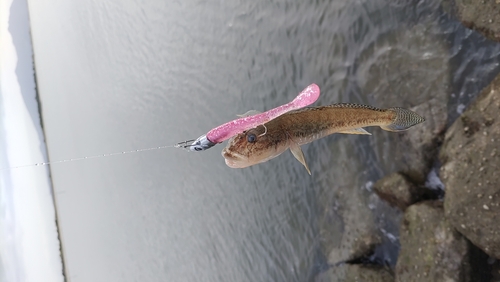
(126, 75)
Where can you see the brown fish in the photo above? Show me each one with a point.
(299, 127)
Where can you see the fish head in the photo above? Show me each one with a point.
(252, 147)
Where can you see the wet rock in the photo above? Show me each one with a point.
(480, 15)
(359, 234)
(355, 273)
(417, 148)
(431, 249)
(408, 69)
(398, 191)
(495, 271)
(358, 243)
(347, 227)
(470, 159)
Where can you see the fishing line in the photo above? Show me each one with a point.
(181, 145)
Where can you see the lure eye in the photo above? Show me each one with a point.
(198, 148)
(251, 138)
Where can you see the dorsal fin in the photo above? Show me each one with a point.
(338, 105)
(354, 106)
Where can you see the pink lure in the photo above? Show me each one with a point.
(230, 129)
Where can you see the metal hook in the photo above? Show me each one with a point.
(183, 144)
(264, 131)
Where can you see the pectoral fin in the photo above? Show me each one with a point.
(297, 153)
(249, 113)
(355, 131)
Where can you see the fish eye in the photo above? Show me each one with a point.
(251, 138)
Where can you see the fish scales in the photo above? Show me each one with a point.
(309, 124)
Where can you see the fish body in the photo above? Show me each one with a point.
(302, 126)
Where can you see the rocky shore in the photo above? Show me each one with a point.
(448, 189)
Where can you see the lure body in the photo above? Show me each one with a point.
(232, 128)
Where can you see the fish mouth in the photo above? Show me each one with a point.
(233, 159)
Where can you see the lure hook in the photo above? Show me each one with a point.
(265, 130)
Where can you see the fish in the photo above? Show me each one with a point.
(302, 126)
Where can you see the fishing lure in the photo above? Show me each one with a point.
(227, 130)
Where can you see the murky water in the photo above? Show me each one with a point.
(123, 75)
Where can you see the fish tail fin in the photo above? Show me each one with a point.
(404, 119)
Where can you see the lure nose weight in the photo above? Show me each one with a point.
(201, 144)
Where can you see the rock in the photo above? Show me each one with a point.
(416, 149)
(398, 191)
(355, 273)
(408, 69)
(356, 243)
(470, 159)
(347, 227)
(495, 271)
(359, 235)
(480, 15)
(431, 249)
